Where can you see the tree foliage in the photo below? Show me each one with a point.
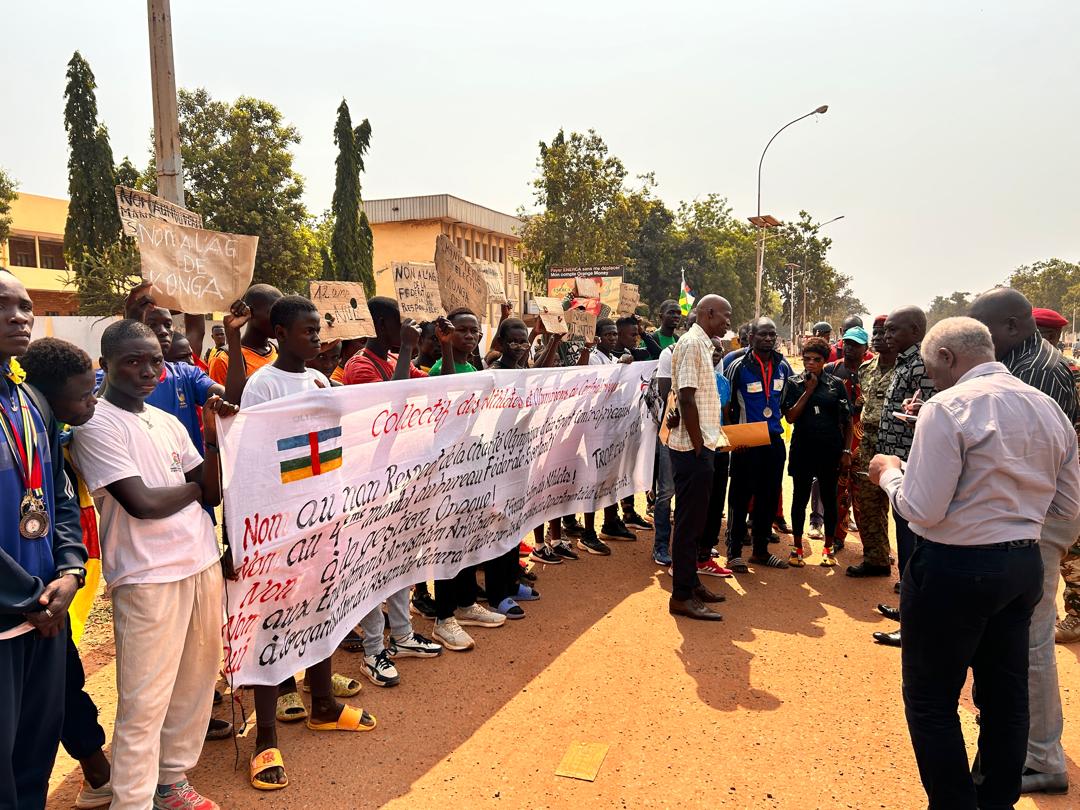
(238, 174)
(93, 222)
(948, 307)
(1051, 283)
(105, 278)
(8, 192)
(351, 245)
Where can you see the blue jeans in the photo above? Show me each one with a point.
(665, 488)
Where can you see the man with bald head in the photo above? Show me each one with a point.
(904, 330)
(991, 460)
(757, 381)
(692, 448)
(1021, 348)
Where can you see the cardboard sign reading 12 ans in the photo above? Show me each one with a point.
(551, 314)
(416, 287)
(343, 310)
(193, 270)
(580, 324)
(629, 298)
(460, 284)
(139, 205)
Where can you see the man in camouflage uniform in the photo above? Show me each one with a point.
(870, 502)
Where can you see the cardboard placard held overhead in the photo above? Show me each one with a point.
(139, 205)
(493, 277)
(343, 310)
(194, 270)
(550, 312)
(587, 287)
(629, 298)
(460, 283)
(416, 286)
(580, 324)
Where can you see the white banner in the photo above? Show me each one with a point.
(338, 498)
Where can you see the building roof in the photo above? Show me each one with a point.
(444, 207)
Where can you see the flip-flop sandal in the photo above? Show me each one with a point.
(352, 642)
(772, 561)
(343, 686)
(290, 708)
(350, 719)
(526, 594)
(219, 729)
(738, 565)
(261, 763)
(795, 561)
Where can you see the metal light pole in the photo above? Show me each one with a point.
(761, 246)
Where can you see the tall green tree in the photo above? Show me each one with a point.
(1047, 283)
(93, 223)
(588, 214)
(351, 246)
(8, 192)
(948, 307)
(239, 175)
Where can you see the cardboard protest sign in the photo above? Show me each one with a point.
(550, 312)
(580, 324)
(493, 277)
(416, 287)
(629, 299)
(193, 270)
(139, 205)
(587, 287)
(460, 283)
(337, 499)
(343, 310)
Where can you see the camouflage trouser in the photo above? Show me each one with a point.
(1070, 572)
(845, 491)
(871, 506)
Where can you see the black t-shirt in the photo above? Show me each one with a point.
(820, 428)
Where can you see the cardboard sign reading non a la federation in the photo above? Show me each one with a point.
(416, 286)
(580, 324)
(343, 310)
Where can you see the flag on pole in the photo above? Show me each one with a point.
(686, 295)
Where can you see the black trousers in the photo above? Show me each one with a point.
(802, 480)
(693, 475)
(501, 577)
(32, 675)
(717, 499)
(82, 734)
(960, 608)
(451, 594)
(906, 540)
(755, 473)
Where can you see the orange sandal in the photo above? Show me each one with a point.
(350, 719)
(261, 763)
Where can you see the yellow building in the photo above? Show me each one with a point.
(35, 252)
(404, 230)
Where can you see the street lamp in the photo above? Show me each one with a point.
(761, 248)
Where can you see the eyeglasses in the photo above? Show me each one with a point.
(517, 343)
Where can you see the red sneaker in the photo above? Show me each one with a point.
(711, 568)
(181, 796)
(524, 549)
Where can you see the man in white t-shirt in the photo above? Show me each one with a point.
(296, 324)
(160, 558)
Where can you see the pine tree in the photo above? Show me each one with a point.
(93, 223)
(351, 244)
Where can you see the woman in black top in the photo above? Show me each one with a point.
(816, 403)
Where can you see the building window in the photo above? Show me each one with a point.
(22, 252)
(476, 251)
(468, 246)
(502, 256)
(459, 247)
(52, 254)
(51, 312)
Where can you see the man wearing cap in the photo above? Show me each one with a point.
(854, 354)
(871, 503)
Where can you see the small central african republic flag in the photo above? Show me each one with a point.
(318, 459)
(686, 295)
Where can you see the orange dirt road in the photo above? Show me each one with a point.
(787, 703)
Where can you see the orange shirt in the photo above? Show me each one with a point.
(253, 361)
(338, 375)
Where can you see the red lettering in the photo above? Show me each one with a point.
(259, 530)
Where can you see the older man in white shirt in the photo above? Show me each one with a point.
(991, 458)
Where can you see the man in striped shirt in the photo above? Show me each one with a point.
(1035, 361)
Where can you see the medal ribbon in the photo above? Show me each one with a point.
(767, 382)
(26, 459)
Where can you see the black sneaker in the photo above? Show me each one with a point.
(424, 605)
(635, 520)
(781, 526)
(571, 527)
(563, 550)
(545, 554)
(591, 543)
(616, 530)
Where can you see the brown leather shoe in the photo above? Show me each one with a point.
(693, 608)
(703, 594)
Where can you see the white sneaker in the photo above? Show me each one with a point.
(413, 645)
(90, 797)
(477, 616)
(449, 633)
(380, 671)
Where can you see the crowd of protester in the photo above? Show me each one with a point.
(139, 437)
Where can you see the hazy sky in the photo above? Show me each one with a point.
(951, 142)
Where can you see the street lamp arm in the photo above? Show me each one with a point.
(773, 138)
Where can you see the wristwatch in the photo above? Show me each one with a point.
(78, 573)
